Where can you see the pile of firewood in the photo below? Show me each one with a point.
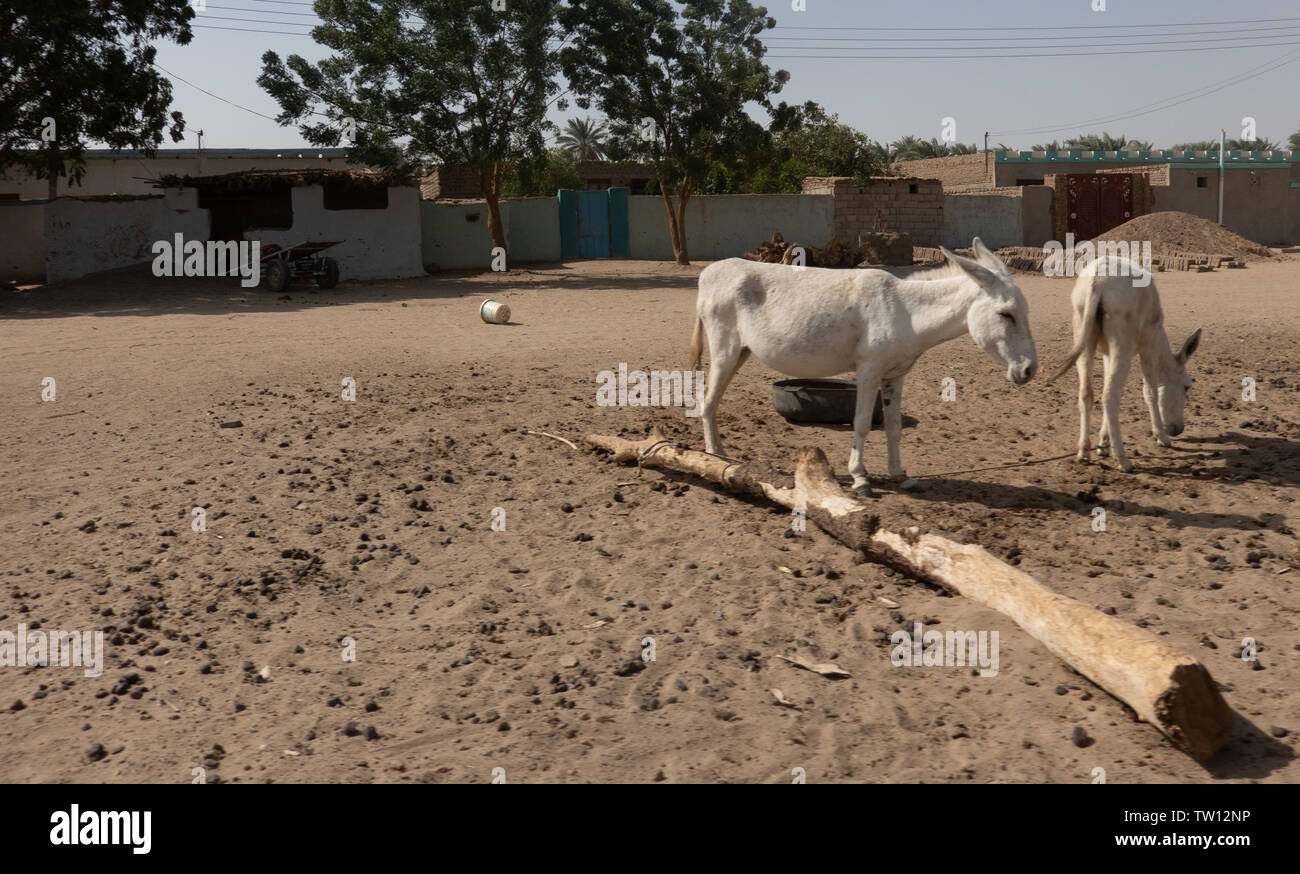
(774, 251)
(777, 251)
(835, 255)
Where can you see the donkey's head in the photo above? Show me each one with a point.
(1171, 393)
(998, 318)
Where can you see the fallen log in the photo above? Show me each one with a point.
(1164, 686)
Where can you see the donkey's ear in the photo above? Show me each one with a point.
(988, 258)
(970, 267)
(1189, 346)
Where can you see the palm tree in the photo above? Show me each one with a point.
(582, 139)
(1259, 144)
(1294, 142)
(1053, 146)
(910, 148)
(1255, 145)
(1104, 142)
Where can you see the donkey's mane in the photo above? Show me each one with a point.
(945, 270)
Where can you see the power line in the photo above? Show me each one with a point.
(1252, 44)
(1255, 72)
(1199, 91)
(210, 94)
(245, 108)
(267, 11)
(1041, 27)
(1203, 36)
(252, 30)
(1088, 54)
(258, 21)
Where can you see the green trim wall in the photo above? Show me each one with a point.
(1233, 158)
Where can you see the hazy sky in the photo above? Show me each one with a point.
(1142, 59)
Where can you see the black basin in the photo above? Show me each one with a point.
(827, 401)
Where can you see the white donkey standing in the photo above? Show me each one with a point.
(1120, 318)
(814, 323)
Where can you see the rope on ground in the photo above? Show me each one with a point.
(1025, 463)
(553, 437)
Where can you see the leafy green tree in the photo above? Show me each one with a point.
(807, 141)
(1294, 141)
(674, 81)
(541, 175)
(1198, 146)
(73, 73)
(583, 139)
(420, 82)
(1053, 146)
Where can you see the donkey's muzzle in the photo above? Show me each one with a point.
(1023, 372)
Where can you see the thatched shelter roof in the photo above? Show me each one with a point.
(263, 180)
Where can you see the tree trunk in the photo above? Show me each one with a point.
(683, 255)
(53, 166)
(1164, 686)
(676, 225)
(490, 182)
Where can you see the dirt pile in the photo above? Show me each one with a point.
(1173, 233)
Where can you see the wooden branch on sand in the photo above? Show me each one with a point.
(1164, 686)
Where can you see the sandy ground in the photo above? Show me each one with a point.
(479, 649)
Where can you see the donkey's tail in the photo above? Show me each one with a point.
(1088, 325)
(697, 343)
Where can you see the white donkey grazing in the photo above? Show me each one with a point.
(815, 323)
(1110, 313)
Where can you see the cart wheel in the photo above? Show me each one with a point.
(329, 275)
(275, 275)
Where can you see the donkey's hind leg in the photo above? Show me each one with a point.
(1117, 363)
(726, 356)
(1083, 365)
(868, 385)
(891, 393)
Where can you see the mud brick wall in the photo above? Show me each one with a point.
(908, 205)
(1060, 205)
(451, 183)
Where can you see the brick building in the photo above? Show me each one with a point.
(908, 205)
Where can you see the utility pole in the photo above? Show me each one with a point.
(986, 155)
(1223, 145)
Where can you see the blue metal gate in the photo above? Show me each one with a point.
(593, 224)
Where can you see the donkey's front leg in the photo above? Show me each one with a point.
(891, 395)
(868, 385)
(1151, 396)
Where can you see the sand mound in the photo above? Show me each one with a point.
(1173, 232)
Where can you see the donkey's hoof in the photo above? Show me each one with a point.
(1126, 466)
(1165, 442)
(1081, 457)
(1103, 450)
(863, 490)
